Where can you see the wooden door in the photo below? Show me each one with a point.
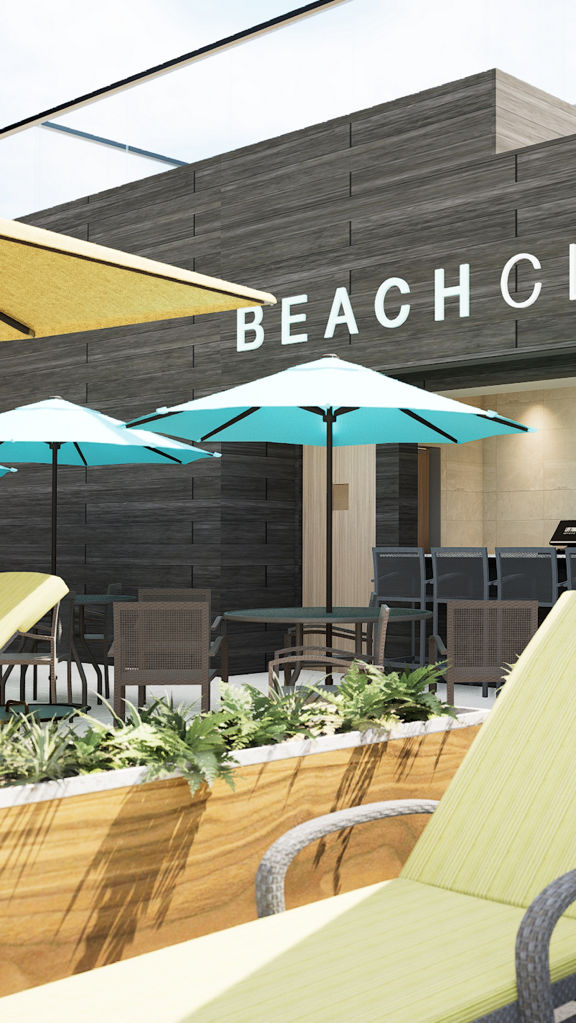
(354, 478)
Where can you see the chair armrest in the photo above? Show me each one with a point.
(275, 862)
(535, 999)
(44, 637)
(216, 623)
(215, 645)
(439, 644)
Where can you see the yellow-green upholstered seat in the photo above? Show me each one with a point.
(435, 945)
(25, 597)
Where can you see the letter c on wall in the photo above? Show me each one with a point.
(402, 315)
(505, 281)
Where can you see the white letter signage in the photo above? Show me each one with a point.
(402, 314)
(256, 311)
(341, 312)
(288, 318)
(505, 281)
(462, 289)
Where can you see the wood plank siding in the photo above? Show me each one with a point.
(425, 181)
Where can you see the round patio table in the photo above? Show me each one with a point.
(302, 617)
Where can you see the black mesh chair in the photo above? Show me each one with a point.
(458, 573)
(400, 578)
(527, 573)
(571, 568)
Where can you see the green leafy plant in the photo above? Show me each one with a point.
(165, 738)
(161, 737)
(368, 697)
(249, 717)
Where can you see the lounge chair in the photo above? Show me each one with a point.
(25, 598)
(437, 944)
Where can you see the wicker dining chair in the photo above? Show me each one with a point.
(482, 637)
(219, 642)
(296, 657)
(161, 643)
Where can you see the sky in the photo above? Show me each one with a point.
(355, 55)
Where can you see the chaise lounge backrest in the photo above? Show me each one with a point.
(25, 597)
(505, 827)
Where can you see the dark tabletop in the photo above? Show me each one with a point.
(319, 615)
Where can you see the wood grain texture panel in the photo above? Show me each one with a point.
(97, 878)
(354, 532)
(526, 115)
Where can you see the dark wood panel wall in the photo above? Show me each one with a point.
(423, 182)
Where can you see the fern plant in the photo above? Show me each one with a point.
(368, 696)
(162, 738)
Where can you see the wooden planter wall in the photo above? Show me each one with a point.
(91, 879)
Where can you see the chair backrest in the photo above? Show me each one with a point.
(460, 573)
(527, 573)
(161, 642)
(484, 636)
(164, 594)
(379, 642)
(65, 627)
(505, 827)
(399, 573)
(571, 568)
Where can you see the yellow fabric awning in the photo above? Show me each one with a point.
(53, 284)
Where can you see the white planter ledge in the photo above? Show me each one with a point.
(84, 784)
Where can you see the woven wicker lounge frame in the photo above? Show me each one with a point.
(514, 791)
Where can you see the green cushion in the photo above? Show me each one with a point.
(399, 952)
(25, 597)
(505, 827)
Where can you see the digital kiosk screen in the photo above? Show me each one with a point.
(565, 534)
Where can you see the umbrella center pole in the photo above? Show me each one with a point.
(329, 419)
(54, 447)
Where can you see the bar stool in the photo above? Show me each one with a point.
(458, 573)
(527, 573)
(400, 577)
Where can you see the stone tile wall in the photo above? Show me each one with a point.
(511, 491)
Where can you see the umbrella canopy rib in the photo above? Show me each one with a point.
(80, 453)
(164, 454)
(505, 422)
(429, 425)
(231, 422)
(22, 328)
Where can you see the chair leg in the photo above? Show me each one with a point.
(119, 705)
(224, 665)
(106, 681)
(35, 682)
(74, 654)
(141, 696)
(22, 684)
(69, 679)
(205, 697)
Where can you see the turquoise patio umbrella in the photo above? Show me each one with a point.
(57, 432)
(329, 402)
